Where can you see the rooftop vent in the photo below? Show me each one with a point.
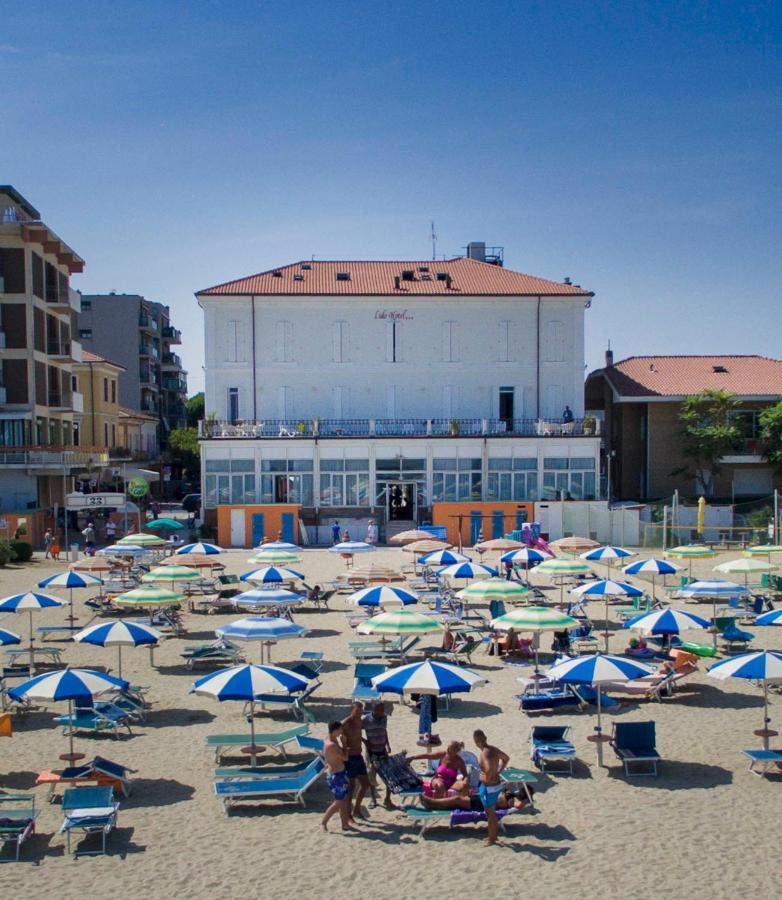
(423, 268)
(720, 369)
(408, 275)
(306, 267)
(397, 282)
(298, 278)
(343, 276)
(277, 274)
(442, 276)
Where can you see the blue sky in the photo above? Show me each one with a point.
(632, 146)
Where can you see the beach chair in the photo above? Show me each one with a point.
(292, 702)
(362, 681)
(293, 787)
(308, 742)
(231, 773)
(103, 772)
(734, 638)
(531, 701)
(634, 743)
(17, 821)
(91, 810)
(425, 818)
(765, 758)
(103, 716)
(399, 777)
(273, 740)
(219, 652)
(313, 659)
(549, 744)
(463, 649)
(582, 640)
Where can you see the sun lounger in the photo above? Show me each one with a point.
(308, 742)
(293, 787)
(17, 822)
(219, 652)
(65, 631)
(103, 716)
(555, 698)
(362, 681)
(634, 743)
(377, 650)
(551, 743)
(273, 740)
(90, 810)
(53, 655)
(766, 758)
(419, 815)
(293, 702)
(735, 638)
(102, 772)
(231, 773)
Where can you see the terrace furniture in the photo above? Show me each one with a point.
(103, 716)
(634, 743)
(292, 702)
(531, 701)
(274, 740)
(292, 786)
(549, 744)
(103, 772)
(91, 810)
(17, 822)
(219, 652)
(765, 758)
(362, 681)
(232, 773)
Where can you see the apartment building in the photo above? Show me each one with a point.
(98, 380)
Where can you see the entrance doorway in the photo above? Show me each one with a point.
(506, 407)
(400, 501)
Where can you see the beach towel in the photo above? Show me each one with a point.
(397, 774)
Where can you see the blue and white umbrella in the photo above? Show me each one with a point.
(8, 637)
(667, 622)
(71, 580)
(268, 630)
(762, 666)
(29, 602)
(714, 591)
(383, 595)
(279, 545)
(597, 670)
(67, 685)
(653, 567)
(271, 575)
(119, 634)
(200, 547)
(774, 617)
(427, 677)
(123, 550)
(247, 682)
(603, 590)
(443, 558)
(606, 554)
(524, 556)
(350, 548)
(267, 598)
(467, 570)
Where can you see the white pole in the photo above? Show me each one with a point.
(775, 535)
(665, 527)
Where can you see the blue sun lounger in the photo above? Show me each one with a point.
(292, 787)
(419, 815)
(634, 743)
(549, 743)
(362, 681)
(273, 740)
(104, 716)
(765, 758)
(232, 773)
(18, 823)
(91, 810)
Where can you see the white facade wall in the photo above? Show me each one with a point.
(346, 357)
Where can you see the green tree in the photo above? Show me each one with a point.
(184, 449)
(771, 434)
(195, 409)
(708, 434)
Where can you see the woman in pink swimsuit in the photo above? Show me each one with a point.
(450, 767)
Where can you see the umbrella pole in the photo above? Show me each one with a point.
(70, 606)
(766, 719)
(599, 731)
(714, 622)
(253, 757)
(32, 652)
(70, 729)
(605, 634)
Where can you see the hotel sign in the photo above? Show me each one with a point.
(393, 315)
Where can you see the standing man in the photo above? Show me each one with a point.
(111, 531)
(89, 534)
(355, 765)
(48, 540)
(567, 415)
(492, 761)
(335, 533)
(375, 725)
(336, 778)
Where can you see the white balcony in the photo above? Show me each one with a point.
(74, 298)
(76, 354)
(78, 402)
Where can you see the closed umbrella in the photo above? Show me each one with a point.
(535, 620)
(653, 567)
(29, 602)
(119, 634)
(201, 548)
(384, 596)
(72, 581)
(429, 677)
(605, 590)
(67, 685)
(245, 683)
(594, 671)
(267, 630)
(762, 666)
(560, 567)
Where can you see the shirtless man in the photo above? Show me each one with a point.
(337, 779)
(355, 766)
(493, 761)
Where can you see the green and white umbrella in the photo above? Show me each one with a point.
(763, 549)
(274, 558)
(400, 621)
(142, 540)
(746, 567)
(148, 597)
(559, 567)
(690, 552)
(534, 619)
(494, 589)
(171, 575)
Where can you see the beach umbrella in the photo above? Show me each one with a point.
(594, 671)
(148, 597)
(246, 682)
(573, 545)
(560, 567)
(29, 602)
(667, 622)
(501, 545)
(428, 677)
(401, 621)
(763, 549)
(746, 566)
(376, 573)
(67, 685)
(407, 537)
(382, 595)
(443, 558)
(430, 545)
(607, 554)
(119, 634)
(170, 574)
(140, 539)
(690, 552)
(9, 637)
(349, 549)
(499, 589)
(123, 550)
(714, 591)
(285, 546)
(91, 564)
(274, 558)
(604, 590)
(266, 598)
(535, 620)
(773, 617)
(72, 581)
(268, 630)
(171, 524)
(765, 666)
(201, 548)
(271, 575)
(653, 567)
(467, 570)
(194, 561)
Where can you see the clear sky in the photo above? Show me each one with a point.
(632, 146)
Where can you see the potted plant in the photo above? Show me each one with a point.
(453, 426)
(590, 424)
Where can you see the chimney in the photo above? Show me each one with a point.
(609, 357)
(396, 282)
(477, 250)
(448, 282)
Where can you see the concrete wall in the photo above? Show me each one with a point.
(17, 490)
(330, 357)
(114, 321)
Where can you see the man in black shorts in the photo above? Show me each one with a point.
(375, 726)
(355, 765)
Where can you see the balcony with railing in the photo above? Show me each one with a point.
(171, 361)
(171, 334)
(176, 385)
(52, 457)
(413, 427)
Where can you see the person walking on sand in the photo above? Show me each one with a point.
(492, 761)
(336, 778)
(335, 533)
(356, 768)
(48, 540)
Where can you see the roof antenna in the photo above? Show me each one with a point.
(434, 242)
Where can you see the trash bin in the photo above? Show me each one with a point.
(73, 556)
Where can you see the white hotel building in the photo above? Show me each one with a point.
(404, 391)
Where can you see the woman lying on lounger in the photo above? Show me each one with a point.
(461, 798)
(450, 767)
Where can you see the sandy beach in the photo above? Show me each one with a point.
(703, 827)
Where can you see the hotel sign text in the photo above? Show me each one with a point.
(393, 315)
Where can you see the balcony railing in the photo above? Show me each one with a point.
(172, 361)
(333, 428)
(174, 384)
(59, 348)
(46, 458)
(174, 335)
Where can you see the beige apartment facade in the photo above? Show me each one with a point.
(97, 380)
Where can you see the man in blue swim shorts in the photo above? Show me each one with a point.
(492, 761)
(337, 779)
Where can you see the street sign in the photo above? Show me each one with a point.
(94, 501)
(138, 487)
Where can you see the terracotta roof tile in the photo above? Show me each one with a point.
(89, 356)
(453, 277)
(125, 412)
(680, 376)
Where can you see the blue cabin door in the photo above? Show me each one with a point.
(258, 529)
(521, 517)
(287, 528)
(476, 524)
(497, 523)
